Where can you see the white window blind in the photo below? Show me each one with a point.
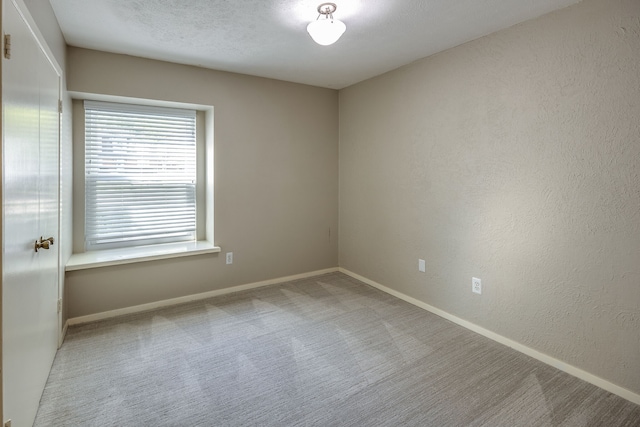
(140, 175)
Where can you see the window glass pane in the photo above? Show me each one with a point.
(140, 175)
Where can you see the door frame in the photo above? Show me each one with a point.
(2, 47)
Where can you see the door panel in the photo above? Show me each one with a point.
(30, 203)
(48, 184)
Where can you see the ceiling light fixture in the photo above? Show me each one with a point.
(327, 30)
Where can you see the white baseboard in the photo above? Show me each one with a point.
(569, 369)
(189, 298)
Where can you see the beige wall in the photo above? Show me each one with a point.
(514, 158)
(276, 180)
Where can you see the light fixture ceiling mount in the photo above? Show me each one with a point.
(327, 30)
(327, 8)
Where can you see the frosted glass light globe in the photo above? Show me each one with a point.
(326, 31)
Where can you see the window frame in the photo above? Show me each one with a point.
(82, 258)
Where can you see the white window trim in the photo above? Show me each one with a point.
(82, 259)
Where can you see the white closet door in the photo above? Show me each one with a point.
(30, 210)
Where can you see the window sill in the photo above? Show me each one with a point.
(95, 259)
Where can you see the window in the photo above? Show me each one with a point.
(140, 175)
(124, 212)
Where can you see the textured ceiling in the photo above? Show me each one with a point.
(268, 38)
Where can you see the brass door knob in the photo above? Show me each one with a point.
(43, 243)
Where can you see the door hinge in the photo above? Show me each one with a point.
(59, 305)
(7, 46)
(60, 106)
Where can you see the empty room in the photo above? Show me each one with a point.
(298, 213)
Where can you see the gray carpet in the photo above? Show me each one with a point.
(324, 351)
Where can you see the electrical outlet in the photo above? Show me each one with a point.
(476, 285)
(421, 265)
(229, 257)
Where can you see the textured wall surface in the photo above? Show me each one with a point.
(514, 158)
(276, 180)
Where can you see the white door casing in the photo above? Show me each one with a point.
(30, 170)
